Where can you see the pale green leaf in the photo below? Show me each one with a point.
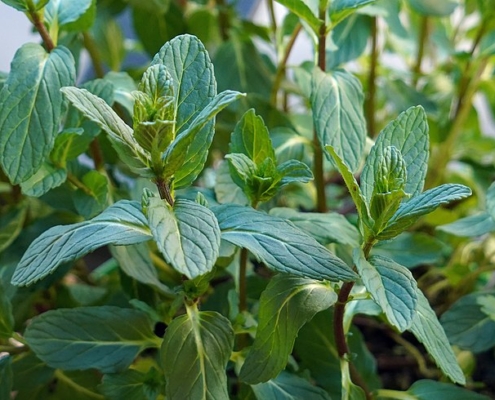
(279, 244)
(136, 262)
(187, 235)
(286, 305)
(474, 225)
(409, 212)
(294, 171)
(11, 224)
(340, 9)
(131, 385)
(490, 200)
(325, 228)
(251, 138)
(32, 107)
(226, 191)
(6, 376)
(120, 134)
(64, 12)
(187, 154)
(287, 386)
(106, 338)
(350, 391)
(194, 355)
(391, 285)
(46, 178)
(468, 326)
(6, 316)
(434, 8)
(121, 224)
(337, 104)
(409, 134)
(300, 8)
(426, 389)
(428, 331)
(123, 86)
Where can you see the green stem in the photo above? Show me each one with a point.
(370, 105)
(423, 37)
(78, 184)
(273, 20)
(279, 75)
(223, 19)
(321, 198)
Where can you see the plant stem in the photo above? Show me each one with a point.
(370, 98)
(321, 198)
(282, 65)
(423, 36)
(78, 184)
(394, 394)
(273, 20)
(223, 19)
(164, 190)
(37, 20)
(94, 54)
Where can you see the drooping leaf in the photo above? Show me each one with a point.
(121, 224)
(468, 326)
(6, 376)
(428, 331)
(187, 235)
(131, 385)
(45, 179)
(426, 389)
(288, 387)
(120, 134)
(474, 225)
(279, 244)
(325, 228)
(409, 212)
(286, 305)
(64, 13)
(409, 134)
(300, 8)
(6, 316)
(337, 104)
(136, 262)
(11, 224)
(32, 107)
(194, 354)
(391, 285)
(107, 338)
(340, 9)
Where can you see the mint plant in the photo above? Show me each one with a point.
(223, 272)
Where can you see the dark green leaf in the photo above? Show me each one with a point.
(194, 354)
(187, 235)
(340, 9)
(6, 377)
(11, 224)
(121, 224)
(32, 107)
(474, 225)
(131, 385)
(6, 316)
(427, 390)
(300, 8)
(409, 134)
(289, 387)
(428, 331)
(468, 326)
(337, 103)
(392, 286)
(106, 338)
(45, 179)
(279, 244)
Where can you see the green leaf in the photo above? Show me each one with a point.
(62, 13)
(131, 385)
(286, 305)
(340, 9)
(187, 154)
(433, 8)
(136, 262)
(242, 166)
(121, 224)
(294, 171)
(426, 389)
(11, 224)
(32, 107)
(279, 244)
(90, 204)
(120, 134)
(106, 338)
(123, 86)
(428, 331)
(20, 5)
(409, 212)
(409, 134)
(350, 391)
(251, 138)
(325, 228)
(300, 8)
(45, 179)
(474, 225)
(337, 103)
(391, 285)
(287, 386)
(468, 326)
(490, 200)
(6, 376)
(187, 235)
(194, 354)
(6, 316)
(226, 191)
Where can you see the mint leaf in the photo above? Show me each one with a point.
(6, 376)
(341, 9)
(64, 12)
(300, 8)
(426, 389)
(391, 285)
(286, 305)
(121, 224)
(187, 235)
(279, 244)
(45, 179)
(32, 108)
(294, 171)
(131, 385)
(337, 103)
(474, 225)
(428, 331)
(194, 355)
(11, 223)
(106, 338)
(6, 316)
